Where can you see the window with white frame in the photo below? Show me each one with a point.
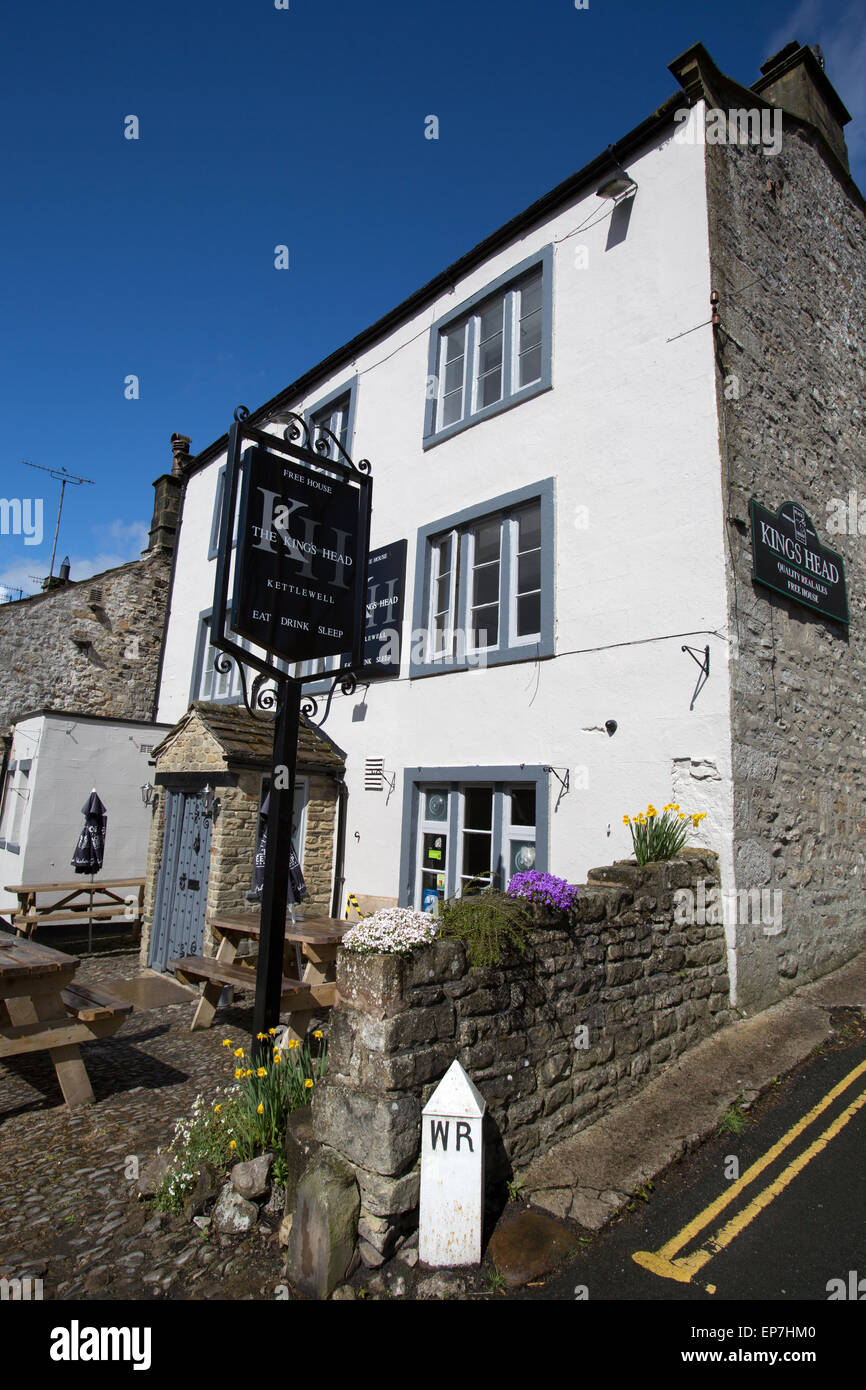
(207, 682)
(336, 417)
(471, 835)
(484, 584)
(493, 351)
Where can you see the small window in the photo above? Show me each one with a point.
(472, 835)
(493, 351)
(223, 687)
(484, 586)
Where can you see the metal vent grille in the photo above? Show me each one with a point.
(374, 774)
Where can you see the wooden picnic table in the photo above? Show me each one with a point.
(317, 940)
(42, 1010)
(80, 901)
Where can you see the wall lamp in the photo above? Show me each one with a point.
(147, 792)
(210, 804)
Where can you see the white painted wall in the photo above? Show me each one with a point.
(630, 433)
(71, 754)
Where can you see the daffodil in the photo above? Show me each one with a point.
(262, 1071)
(260, 1109)
(308, 1084)
(318, 1033)
(272, 1032)
(262, 1037)
(217, 1109)
(626, 820)
(227, 1042)
(239, 1052)
(277, 1058)
(293, 1042)
(248, 1072)
(232, 1144)
(239, 1071)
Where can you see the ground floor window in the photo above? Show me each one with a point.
(463, 829)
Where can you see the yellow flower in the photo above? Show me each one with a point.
(232, 1144)
(272, 1031)
(293, 1042)
(308, 1084)
(318, 1033)
(227, 1042)
(682, 817)
(675, 806)
(262, 1071)
(239, 1052)
(239, 1071)
(277, 1058)
(217, 1109)
(248, 1072)
(262, 1037)
(626, 820)
(261, 1108)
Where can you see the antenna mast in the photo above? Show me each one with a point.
(63, 478)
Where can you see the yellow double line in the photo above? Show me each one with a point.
(683, 1269)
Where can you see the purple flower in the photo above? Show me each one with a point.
(537, 887)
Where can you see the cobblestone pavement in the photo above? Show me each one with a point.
(67, 1212)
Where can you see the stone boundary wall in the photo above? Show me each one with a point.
(645, 989)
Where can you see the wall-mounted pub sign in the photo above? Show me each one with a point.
(300, 569)
(789, 557)
(386, 579)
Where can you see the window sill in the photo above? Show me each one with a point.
(539, 651)
(498, 408)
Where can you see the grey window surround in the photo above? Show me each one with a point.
(20, 764)
(350, 389)
(542, 491)
(454, 777)
(201, 646)
(510, 398)
(213, 544)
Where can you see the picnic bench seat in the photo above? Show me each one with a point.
(317, 940)
(44, 1009)
(79, 902)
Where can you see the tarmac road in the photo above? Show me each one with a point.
(783, 1234)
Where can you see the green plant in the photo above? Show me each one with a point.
(643, 1191)
(487, 922)
(494, 1280)
(514, 1190)
(656, 837)
(733, 1121)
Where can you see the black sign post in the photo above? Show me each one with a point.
(788, 557)
(298, 592)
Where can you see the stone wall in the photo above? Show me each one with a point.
(91, 647)
(788, 255)
(642, 987)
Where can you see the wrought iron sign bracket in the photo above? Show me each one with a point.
(564, 782)
(703, 660)
(348, 684)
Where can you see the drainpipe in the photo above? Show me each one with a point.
(339, 879)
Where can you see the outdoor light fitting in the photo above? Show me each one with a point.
(210, 803)
(620, 186)
(147, 793)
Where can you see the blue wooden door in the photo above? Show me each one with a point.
(181, 897)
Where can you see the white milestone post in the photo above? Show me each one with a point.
(452, 1172)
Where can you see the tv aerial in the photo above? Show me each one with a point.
(63, 478)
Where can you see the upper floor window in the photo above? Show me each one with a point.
(207, 682)
(484, 584)
(337, 414)
(492, 351)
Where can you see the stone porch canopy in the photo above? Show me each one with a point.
(243, 741)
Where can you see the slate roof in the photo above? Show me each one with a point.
(251, 741)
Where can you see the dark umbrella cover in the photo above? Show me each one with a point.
(297, 887)
(90, 850)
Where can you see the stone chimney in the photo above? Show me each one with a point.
(166, 501)
(794, 79)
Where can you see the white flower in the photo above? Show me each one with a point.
(394, 929)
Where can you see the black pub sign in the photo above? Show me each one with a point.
(789, 557)
(300, 568)
(386, 578)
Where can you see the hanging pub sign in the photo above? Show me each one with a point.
(386, 578)
(789, 558)
(300, 569)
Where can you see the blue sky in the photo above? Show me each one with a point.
(301, 127)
